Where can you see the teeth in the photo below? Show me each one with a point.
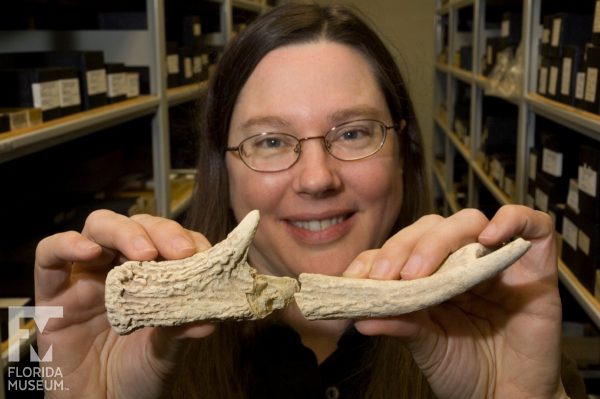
(318, 225)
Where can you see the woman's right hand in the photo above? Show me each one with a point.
(70, 270)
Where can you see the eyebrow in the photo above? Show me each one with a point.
(340, 116)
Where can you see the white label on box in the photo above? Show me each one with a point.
(553, 80)
(69, 92)
(532, 166)
(556, 23)
(546, 36)
(173, 64)
(541, 200)
(96, 81)
(579, 85)
(489, 55)
(197, 29)
(542, 85)
(570, 232)
(565, 81)
(117, 84)
(188, 70)
(591, 82)
(133, 84)
(46, 95)
(573, 196)
(587, 178)
(18, 119)
(583, 242)
(197, 64)
(596, 28)
(505, 29)
(552, 162)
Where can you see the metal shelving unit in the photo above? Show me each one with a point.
(529, 105)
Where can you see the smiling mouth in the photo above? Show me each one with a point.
(318, 225)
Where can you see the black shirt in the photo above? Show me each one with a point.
(280, 366)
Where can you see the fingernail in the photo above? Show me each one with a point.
(412, 267)
(141, 244)
(356, 269)
(381, 269)
(87, 245)
(180, 243)
(489, 232)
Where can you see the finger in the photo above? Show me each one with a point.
(170, 238)
(388, 262)
(516, 220)
(361, 265)
(114, 231)
(53, 260)
(441, 240)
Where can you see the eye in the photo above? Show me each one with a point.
(354, 133)
(271, 142)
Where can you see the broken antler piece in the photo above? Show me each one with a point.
(217, 284)
(328, 297)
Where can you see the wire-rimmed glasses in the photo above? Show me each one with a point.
(349, 141)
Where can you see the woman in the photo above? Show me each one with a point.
(339, 180)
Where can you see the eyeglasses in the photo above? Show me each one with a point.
(349, 141)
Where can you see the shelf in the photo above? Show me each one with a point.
(182, 94)
(449, 195)
(21, 142)
(487, 181)
(442, 67)
(462, 74)
(182, 188)
(582, 121)
(588, 302)
(460, 146)
(248, 5)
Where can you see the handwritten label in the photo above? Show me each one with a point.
(552, 162)
(587, 179)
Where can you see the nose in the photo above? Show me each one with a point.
(316, 170)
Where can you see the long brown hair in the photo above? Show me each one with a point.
(209, 369)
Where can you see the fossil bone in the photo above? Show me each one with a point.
(329, 297)
(217, 284)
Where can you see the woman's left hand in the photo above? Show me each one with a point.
(502, 338)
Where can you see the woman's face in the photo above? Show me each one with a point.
(322, 212)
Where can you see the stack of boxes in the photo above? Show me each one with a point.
(563, 181)
(187, 57)
(569, 60)
(60, 83)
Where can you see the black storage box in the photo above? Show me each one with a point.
(545, 41)
(186, 65)
(92, 73)
(543, 72)
(70, 93)
(32, 88)
(589, 167)
(117, 82)
(493, 45)
(535, 160)
(499, 135)
(511, 29)
(191, 30)
(571, 61)
(466, 58)
(4, 123)
(570, 232)
(554, 78)
(559, 156)
(569, 29)
(143, 73)
(591, 98)
(549, 193)
(588, 242)
(596, 26)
